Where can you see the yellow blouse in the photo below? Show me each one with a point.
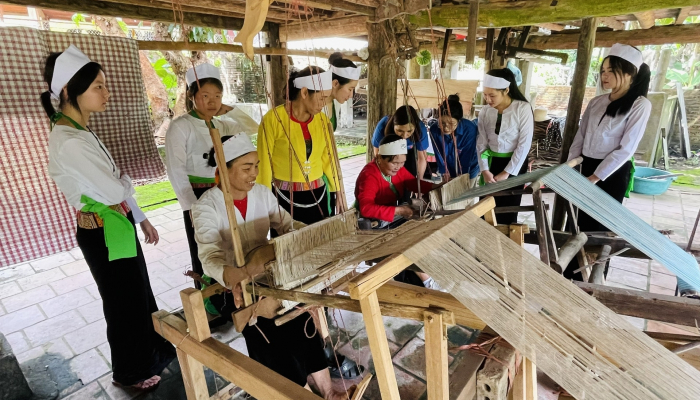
(273, 143)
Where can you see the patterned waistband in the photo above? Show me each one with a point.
(298, 186)
(202, 185)
(90, 220)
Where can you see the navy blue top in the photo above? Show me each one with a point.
(466, 134)
(379, 135)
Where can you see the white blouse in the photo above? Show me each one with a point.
(80, 164)
(517, 127)
(186, 144)
(213, 235)
(614, 140)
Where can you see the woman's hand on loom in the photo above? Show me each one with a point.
(593, 179)
(149, 232)
(488, 176)
(501, 177)
(403, 211)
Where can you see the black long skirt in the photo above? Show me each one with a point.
(138, 352)
(304, 213)
(189, 231)
(498, 164)
(295, 349)
(616, 186)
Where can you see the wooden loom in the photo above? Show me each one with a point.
(588, 349)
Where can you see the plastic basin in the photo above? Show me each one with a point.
(651, 186)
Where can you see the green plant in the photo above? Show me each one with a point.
(166, 75)
(77, 19)
(688, 79)
(423, 58)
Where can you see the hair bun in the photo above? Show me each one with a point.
(337, 56)
(453, 97)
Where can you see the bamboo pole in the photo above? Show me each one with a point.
(228, 199)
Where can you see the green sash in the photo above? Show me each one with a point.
(199, 179)
(630, 185)
(207, 303)
(334, 121)
(119, 231)
(489, 154)
(328, 190)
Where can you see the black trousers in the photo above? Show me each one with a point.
(616, 186)
(295, 349)
(138, 352)
(189, 231)
(497, 166)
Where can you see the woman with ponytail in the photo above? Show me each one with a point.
(611, 128)
(346, 76)
(84, 170)
(506, 125)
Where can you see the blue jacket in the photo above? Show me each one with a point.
(379, 135)
(466, 134)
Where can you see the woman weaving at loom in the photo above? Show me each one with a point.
(346, 76)
(296, 159)
(406, 124)
(505, 132)
(84, 170)
(455, 141)
(293, 350)
(188, 141)
(610, 130)
(382, 190)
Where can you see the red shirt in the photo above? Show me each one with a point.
(304, 126)
(374, 195)
(242, 206)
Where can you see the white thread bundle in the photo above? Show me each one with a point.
(549, 319)
(439, 198)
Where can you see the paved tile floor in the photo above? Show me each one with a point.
(51, 312)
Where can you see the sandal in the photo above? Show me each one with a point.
(136, 386)
(344, 366)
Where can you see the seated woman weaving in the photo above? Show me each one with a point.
(293, 350)
(382, 186)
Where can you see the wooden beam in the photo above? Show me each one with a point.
(192, 376)
(336, 5)
(496, 14)
(611, 22)
(445, 44)
(409, 295)
(646, 19)
(436, 358)
(387, 308)
(204, 7)
(381, 79)
(277, 75)
(339, 27)
(231, 48)
(107, 9)
(471, 31)
(641, 304)
(683, 14)
(369, 281)
(246, 373)
(668, 34)
(379, 346)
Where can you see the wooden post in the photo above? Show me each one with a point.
(412, 69)
(578, 90)
(277, 77)
(196, 316)
(192, 377)
(381, 79)
(471, 31)
(660, 79)
(527, 68)
(226, 188)
(488, 54)
(378, 344)
(568, 251)
(445, 45)
(525, 383)
(598, 269)
(436, 359)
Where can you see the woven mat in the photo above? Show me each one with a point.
(35, 220)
